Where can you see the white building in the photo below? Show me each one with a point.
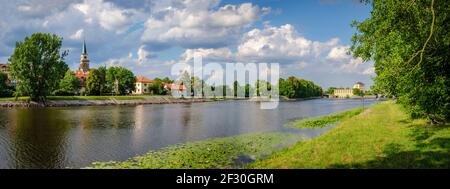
(141, 85)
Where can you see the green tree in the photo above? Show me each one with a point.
(95, 82)
(358, 92)
(69, 85)
(5, 89)
(409, 42)
(38, 65)
(120, 80)
(105, 88)
(294, 87)
(157, 88)
(330, 90)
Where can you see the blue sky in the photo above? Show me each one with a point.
(308, 38)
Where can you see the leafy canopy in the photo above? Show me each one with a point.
(38, 65)
(409, 42)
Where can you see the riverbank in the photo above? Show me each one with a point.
(65, 101)
(381, 137)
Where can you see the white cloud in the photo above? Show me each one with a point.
(338, 53)
(77, 35)
(195, 24)
(142, 54)
(219, 54)
(106, 14)
(280, 44)
(369, 71)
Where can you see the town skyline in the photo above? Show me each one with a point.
(261, 32)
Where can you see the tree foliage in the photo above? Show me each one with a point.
(120, 80)
(357, 92)
(409, 42)
(157, 88)
(38, 65)
(5, 89)
(95, 82)
(69, 85)
(293, 87)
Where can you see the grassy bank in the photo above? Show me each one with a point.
(381, 137)
(324, 121)
(229, 152)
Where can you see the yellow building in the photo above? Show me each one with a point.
(348, 92)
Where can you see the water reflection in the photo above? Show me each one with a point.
(77, 136)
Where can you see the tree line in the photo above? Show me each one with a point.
(292, 87)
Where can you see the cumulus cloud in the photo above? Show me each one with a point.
(196, 24)
(219, 54)
(142, 54)
(77, 35)
(339, 53)
(280, 44)
(106, 14)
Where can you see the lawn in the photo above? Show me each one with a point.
(324, 121)
(381, 137)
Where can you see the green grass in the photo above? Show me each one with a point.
(14, 99)
(229, 152)
(381, 137)
(324, 121)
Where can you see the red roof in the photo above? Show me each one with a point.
(174, 86)
(80, 74)
(142, 79)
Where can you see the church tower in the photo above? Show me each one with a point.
(84, 60)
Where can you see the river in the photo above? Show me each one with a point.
(76, 136)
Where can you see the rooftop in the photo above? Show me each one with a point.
(142, 79)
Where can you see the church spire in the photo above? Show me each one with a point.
(84, 47)
(84, 60)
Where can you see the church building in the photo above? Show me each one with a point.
(83, 70)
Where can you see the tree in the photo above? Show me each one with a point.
(358, 92)
(69, 85)
(330, 90)
(157, 88)
(5, 89)
(409, 42)
(105, 88)
(95, 82)
(38, 65)
(120, 80)
(294, 87)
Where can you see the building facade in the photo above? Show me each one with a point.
(141, 85)
(348, 92)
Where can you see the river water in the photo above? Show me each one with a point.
(77, 136)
